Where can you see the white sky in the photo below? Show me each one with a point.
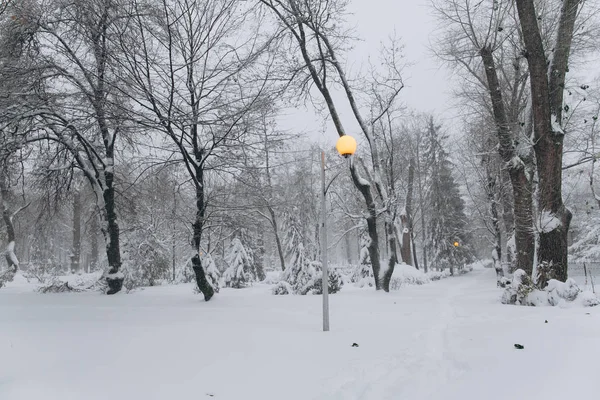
(427, 88)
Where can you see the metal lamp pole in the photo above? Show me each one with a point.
(325, 282)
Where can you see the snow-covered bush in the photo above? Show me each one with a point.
(43, 272)
(437, 275)
(213, 276)
(240, 272)
(406, 275)
(272, 277)
(363, 276)
(519, 289)
(335, 281)
(523, 292)
(305, 276)
(282, 288)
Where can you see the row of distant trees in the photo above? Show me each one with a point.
(162, 115)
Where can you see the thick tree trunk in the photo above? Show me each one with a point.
(547, 89)
(521, 184)
(76, 248)
(198, 227)
(365, 189)
(7, 217)
(114, 277)
(492, 194)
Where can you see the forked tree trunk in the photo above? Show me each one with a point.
(373, 247)
(198, 227)
(521, 183)
(547, 88)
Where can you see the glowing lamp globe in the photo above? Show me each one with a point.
(456, 244)
(346, 145)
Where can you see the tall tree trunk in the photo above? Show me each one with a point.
(198, 227)
(492, 194)
(520, 181)
(547, 89)
(76, 248)
(407, 217)
(422, 217)
(7, 217)
(115, 276)
(365, 189)
(277, 238)
(94, 229)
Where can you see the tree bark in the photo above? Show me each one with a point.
(365, 189)
(94, 229)
(198, 227)
(76, 248)
(521, 184)
(114, 278)
(11, 258)
(407, 217)
(547, 88)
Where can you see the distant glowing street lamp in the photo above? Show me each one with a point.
(456, 244)
(346, 146)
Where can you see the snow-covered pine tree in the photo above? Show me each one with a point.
(363, 275)
(213, 276)
(240, 271)
(304, 275)
(447, 219)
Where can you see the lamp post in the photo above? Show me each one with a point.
(346, 146)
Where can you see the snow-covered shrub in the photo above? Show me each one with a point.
(558, 291)
(335, 281)
(6, 277)
(363, 276)
(406, 275)
(437, 275)
(503, 282)
(519, 289)
(588, 299)
(272, 277)
(57, 286)
(523, 292)
(213, 276)
(240, 272)
(43, 272)
(282, 288)
(305, 276)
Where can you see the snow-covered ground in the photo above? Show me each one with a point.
(449, 339)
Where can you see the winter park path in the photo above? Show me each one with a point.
(450, 339)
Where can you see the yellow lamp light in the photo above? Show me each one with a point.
(456, 244)
(346, 145)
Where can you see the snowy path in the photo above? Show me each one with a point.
(446, 340)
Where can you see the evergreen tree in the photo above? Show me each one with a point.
(363, 275)
(240, 271)
(447, 231)
(212, 272)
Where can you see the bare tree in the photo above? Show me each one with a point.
(547, 79)
(196, 71)
(477, 36)
(315, 30)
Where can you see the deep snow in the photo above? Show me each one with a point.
(449, 339)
